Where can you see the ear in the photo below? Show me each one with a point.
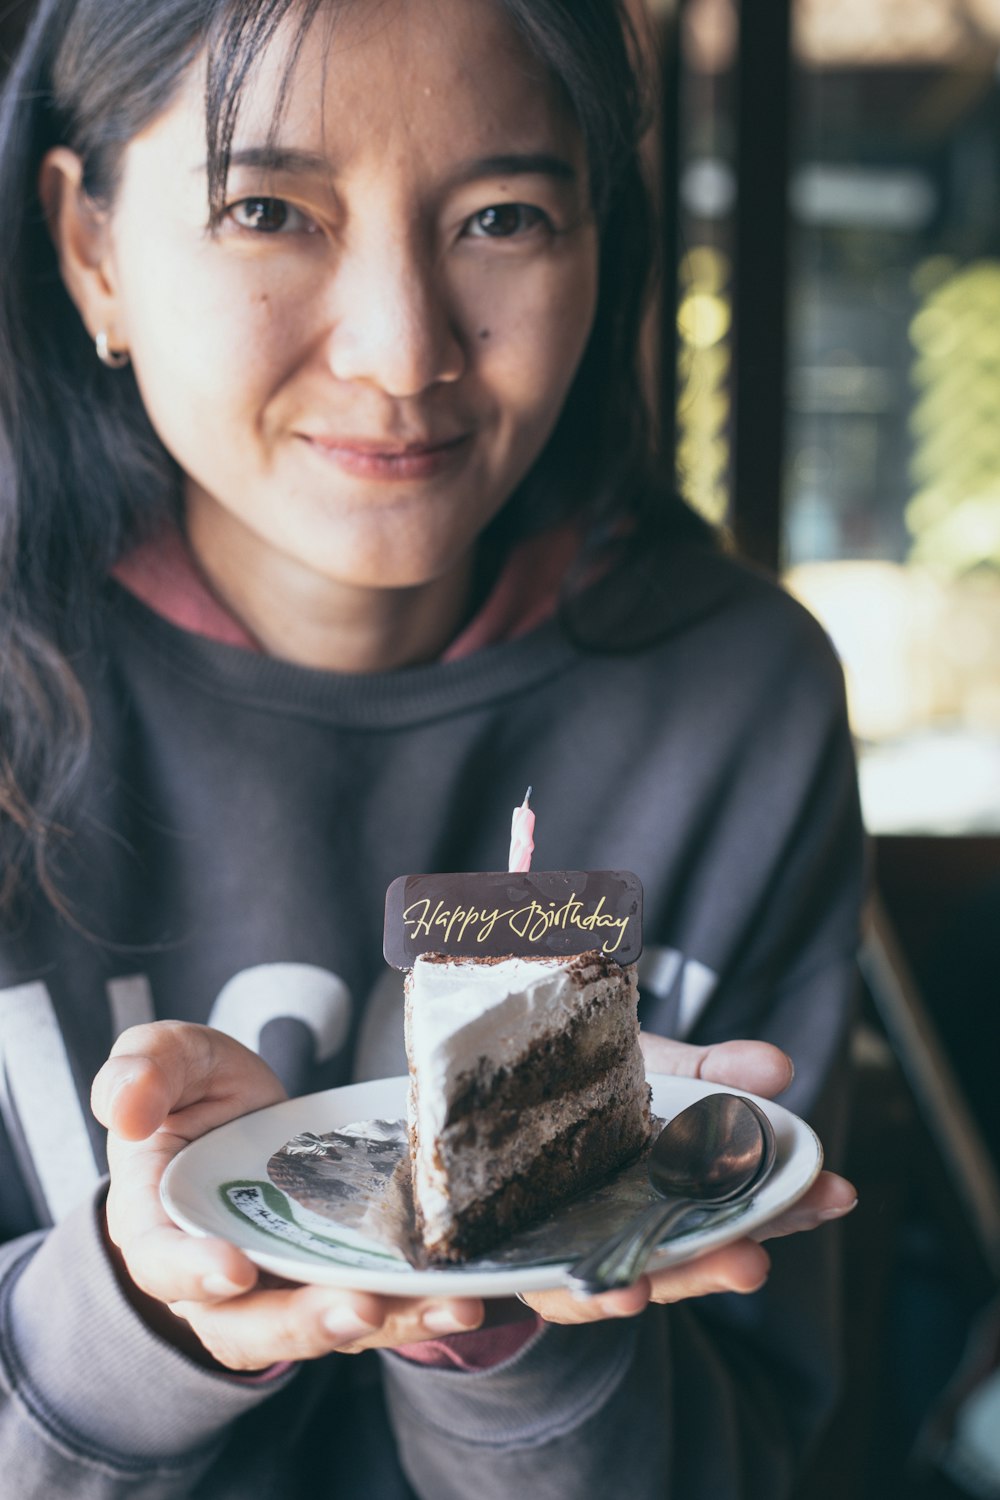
(80, 232)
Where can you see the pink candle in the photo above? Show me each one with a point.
(522, 828)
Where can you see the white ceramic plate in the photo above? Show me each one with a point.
(219, 1186)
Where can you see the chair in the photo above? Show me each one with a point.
(921, 1166)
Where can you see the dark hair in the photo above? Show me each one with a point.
(82, 475)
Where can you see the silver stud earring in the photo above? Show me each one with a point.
(115, 359)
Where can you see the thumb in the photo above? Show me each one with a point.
(193, 1075)
(757, 1067)
(131, 1096)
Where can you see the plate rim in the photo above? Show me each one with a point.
(402, 1280)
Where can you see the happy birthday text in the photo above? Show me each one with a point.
(530, 923)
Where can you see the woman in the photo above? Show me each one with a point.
(328, 524)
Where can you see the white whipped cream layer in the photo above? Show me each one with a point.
(459, 1013)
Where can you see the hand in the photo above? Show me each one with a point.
(742, 1266)
(164, 1085)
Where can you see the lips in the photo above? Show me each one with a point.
(389, 458)
(385, 447)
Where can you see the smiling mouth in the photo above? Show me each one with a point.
(385, 459)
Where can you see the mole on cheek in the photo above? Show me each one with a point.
(484, 333)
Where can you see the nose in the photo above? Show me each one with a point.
(394, 326)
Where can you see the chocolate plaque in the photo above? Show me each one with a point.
(542, 913)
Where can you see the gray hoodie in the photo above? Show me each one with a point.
(241, 821)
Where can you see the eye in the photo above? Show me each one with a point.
(270, 216)
(502, 221)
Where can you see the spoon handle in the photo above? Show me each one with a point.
(620, 1259)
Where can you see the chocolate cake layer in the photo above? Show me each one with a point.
(575, 1161)
(566, 1059)
(506, 1142)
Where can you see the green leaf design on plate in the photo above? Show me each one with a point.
(269, 1211)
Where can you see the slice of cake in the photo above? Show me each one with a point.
(527, 1085)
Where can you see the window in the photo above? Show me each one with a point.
(877, 366)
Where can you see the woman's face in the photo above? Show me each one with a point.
(369, 355)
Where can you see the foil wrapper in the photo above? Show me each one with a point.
(355, 1183)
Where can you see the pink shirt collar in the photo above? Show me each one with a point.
(164, 576)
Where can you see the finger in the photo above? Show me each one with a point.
(741, 1267)
(270, 1325)
(131, 1096)
(295, 1323)
(565, 1306)
(171, 1266)
(757, 1067)
(161, 1259)
(830, 1198)
(194, 1076)
(438, 1319)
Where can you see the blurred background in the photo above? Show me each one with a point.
(825, 355)
(827, 358)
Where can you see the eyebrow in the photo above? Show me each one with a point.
(516, 164)
(291, 162)
(277, 159)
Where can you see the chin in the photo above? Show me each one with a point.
(406, 578)
(384, 575)
(400, 567)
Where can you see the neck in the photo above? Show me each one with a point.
(299, 615)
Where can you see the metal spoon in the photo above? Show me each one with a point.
(716, 1152)
(770, 1144)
